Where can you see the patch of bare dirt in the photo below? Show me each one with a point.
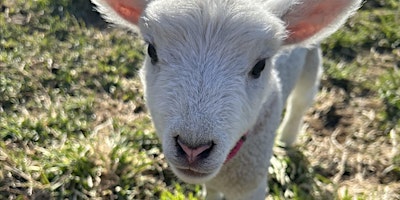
(346, 143)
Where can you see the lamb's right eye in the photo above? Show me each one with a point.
(151, 51)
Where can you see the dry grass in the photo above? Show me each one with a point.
(73, 124)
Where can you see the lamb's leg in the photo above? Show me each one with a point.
(301, 97)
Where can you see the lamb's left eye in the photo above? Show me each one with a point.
(257, 69)
(151, 51)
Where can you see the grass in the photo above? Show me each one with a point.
(73, 124)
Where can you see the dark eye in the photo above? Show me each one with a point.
(257, 69)
(151, 51)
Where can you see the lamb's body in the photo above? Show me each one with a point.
(218, 69)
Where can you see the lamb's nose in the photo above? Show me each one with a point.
(194, 153)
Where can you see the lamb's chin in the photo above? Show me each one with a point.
(192, 176)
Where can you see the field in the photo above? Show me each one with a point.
(73, 124)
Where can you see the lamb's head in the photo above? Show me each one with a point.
(209, 69)
(203, 80)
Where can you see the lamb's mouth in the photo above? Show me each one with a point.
(193, 173)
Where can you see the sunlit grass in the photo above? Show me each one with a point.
(73, 121)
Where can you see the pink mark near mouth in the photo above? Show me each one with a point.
(236, 148)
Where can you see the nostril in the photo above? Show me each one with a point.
(206, 152)
(193, 153)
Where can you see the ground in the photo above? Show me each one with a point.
(73, 124)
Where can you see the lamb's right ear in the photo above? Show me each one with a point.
(121, 12)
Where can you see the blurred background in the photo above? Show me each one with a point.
(73, 124)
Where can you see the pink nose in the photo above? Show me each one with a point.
(193, 153)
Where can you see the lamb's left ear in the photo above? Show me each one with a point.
(121, 12)
(310, 21)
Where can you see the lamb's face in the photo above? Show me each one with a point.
(207, 73)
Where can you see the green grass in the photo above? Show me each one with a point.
(73, 121)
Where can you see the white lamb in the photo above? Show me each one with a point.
(218, 74)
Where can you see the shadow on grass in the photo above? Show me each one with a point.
(82, 10)
(292, 177)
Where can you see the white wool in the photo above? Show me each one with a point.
(200, 90)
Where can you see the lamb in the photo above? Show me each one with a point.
(218, 74)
